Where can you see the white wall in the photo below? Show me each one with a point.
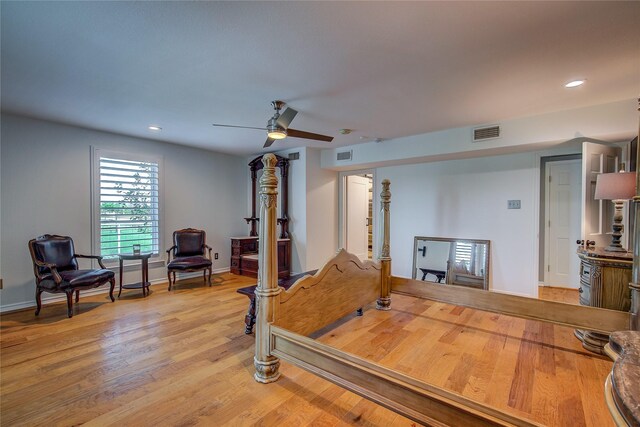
(322, 211)
(45, 188)
(468, 199)
(313, 210)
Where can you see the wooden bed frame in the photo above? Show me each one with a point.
(285, 319)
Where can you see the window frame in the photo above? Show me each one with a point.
(96, 154)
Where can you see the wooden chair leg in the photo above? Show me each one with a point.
(77, 296)
(174, 278)
(209, 276)
(113, 286)
(204, 275)
(69, 303)
(169, 277)
(38, 300)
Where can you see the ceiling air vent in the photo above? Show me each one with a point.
(345, 155)
(294, 156)
(490, 132)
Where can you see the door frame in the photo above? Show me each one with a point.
(542, 211)
(342, 207)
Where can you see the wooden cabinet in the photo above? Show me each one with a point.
(604, 283)
(244, 256)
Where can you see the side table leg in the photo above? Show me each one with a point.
(121, 274)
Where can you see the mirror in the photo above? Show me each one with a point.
(461, 262)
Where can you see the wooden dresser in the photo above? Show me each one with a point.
(244, 256)
(604, 283)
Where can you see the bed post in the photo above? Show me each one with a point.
(384, 302)
(267, 291)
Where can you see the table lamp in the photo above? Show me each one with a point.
(616, 187)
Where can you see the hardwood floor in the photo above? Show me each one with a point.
(181, 358)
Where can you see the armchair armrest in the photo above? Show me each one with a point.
(172, 248)
(98, 257)
(52, 267)
(209, 248)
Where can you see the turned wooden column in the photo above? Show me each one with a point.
(384, 302)
(267, 292)
(253, 219)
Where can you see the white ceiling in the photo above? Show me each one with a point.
(384, 69)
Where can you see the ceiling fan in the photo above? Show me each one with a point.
(278, 126)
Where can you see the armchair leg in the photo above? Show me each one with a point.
(113, 286)
(169, 277)
(69, 303)
(38, 300)
(77, 296)
(209, 276)
(204, 275)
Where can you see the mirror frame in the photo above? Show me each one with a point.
(485, 284)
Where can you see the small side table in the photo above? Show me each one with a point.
(144, 285)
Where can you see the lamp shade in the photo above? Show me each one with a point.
(615, 186)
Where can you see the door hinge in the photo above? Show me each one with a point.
(548, 268)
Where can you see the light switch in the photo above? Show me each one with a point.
(513, 204)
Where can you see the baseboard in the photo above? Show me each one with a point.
(51, 298)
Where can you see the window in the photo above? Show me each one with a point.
(127, 204)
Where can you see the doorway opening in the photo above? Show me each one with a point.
(356, 214)
(560, 220)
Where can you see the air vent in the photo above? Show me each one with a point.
(345, 155)
(294, 156)
(491, 132)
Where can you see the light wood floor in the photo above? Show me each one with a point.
(181, 358)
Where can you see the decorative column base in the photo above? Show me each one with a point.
(383, 303)
(267, 371)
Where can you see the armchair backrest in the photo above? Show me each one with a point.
(189, 242)
(53, 249)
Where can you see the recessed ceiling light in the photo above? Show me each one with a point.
(575, 83)
(155, 128)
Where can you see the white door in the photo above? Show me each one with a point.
(357, 212)
(563, 223)
(597, 215)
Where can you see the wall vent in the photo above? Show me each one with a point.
(294, 156)
(344, 155)
(490, 132)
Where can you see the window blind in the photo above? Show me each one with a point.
(129, 206)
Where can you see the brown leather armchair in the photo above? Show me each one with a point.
(189, 254)
(55, 265)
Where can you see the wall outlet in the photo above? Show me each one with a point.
(513, 204)
(215, 256)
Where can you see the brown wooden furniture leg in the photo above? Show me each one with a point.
(38, 300)
(113, 285)
(69, 303)
(250, 318)
(77, 296)
(121, 274)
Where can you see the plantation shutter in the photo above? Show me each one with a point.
(129, 208)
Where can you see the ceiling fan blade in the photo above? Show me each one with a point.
(234, 126)
(286, 117)
(308, 135)
(268, 143)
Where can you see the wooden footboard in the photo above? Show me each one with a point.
(339, 288)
